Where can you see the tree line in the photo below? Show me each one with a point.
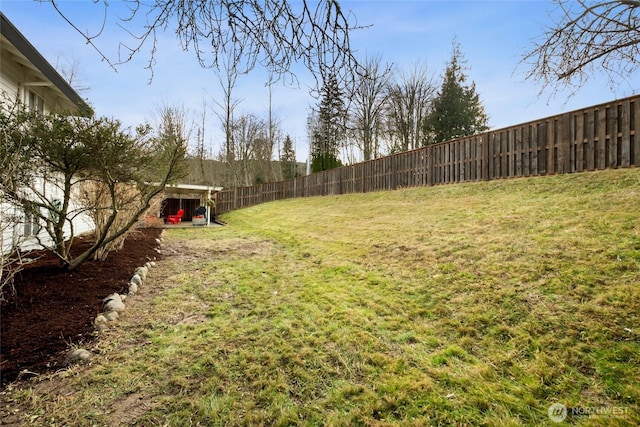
(382, 110)
(387, 111)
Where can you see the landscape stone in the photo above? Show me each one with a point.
(77, 355)
(133, 288)
(113, 303)
(111, 315)
(101, 322)
(142, 272)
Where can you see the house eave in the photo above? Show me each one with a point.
(19, 41)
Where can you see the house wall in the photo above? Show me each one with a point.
(13, 87)
(14, 221)
(9, 81)
(19, 77)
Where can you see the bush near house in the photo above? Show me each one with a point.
(117, 172)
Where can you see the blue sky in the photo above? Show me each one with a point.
(493, 36)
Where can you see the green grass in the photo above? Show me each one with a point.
(474, 304)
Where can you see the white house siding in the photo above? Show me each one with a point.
(19, 76)
(12, 73)
(13, 222)
(8, 86)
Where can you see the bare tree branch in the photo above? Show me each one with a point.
(88, 38)
(588, 36)
(272, 33)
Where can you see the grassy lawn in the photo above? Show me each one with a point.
(472, 304)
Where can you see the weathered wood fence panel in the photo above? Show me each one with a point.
(598, 137)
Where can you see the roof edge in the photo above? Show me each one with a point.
(31, 53)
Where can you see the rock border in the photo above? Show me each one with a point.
(112, 306)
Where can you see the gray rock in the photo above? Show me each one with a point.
(133, 288)
(136, 279)
(113, 296)
(77, 355)
(113, 303)
(142, 272)
(111, 315)
(101, 322)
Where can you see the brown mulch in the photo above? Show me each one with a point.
(51, 309)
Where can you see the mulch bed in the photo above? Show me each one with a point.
(53, 309)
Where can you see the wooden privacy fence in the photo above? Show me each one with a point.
(598, 137)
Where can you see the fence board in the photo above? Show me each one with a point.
(624, 132)
(590, 145)
(534, 168)
(612, 136)
(601, 132)
(635, 131)
(579, 142)
(551, 127)
(518, 152)
(525, 138)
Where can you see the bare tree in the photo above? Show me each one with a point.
(69, 69)
(274, 135)
(198, 153)
(368, 99)
(588, 35)
(225, 114)
(250, 135)
(409, 98)
(272, 33)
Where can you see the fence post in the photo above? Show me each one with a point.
(485, 156)
(625, 129)
(612, 131)
(428, 168)
(566, 140)
(635, 147)
(235, 198)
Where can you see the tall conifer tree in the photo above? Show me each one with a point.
(456, 111)
(288, 159)
(329, 131)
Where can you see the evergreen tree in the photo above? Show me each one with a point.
(329, 129)
(288, 159)
(456, 111)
